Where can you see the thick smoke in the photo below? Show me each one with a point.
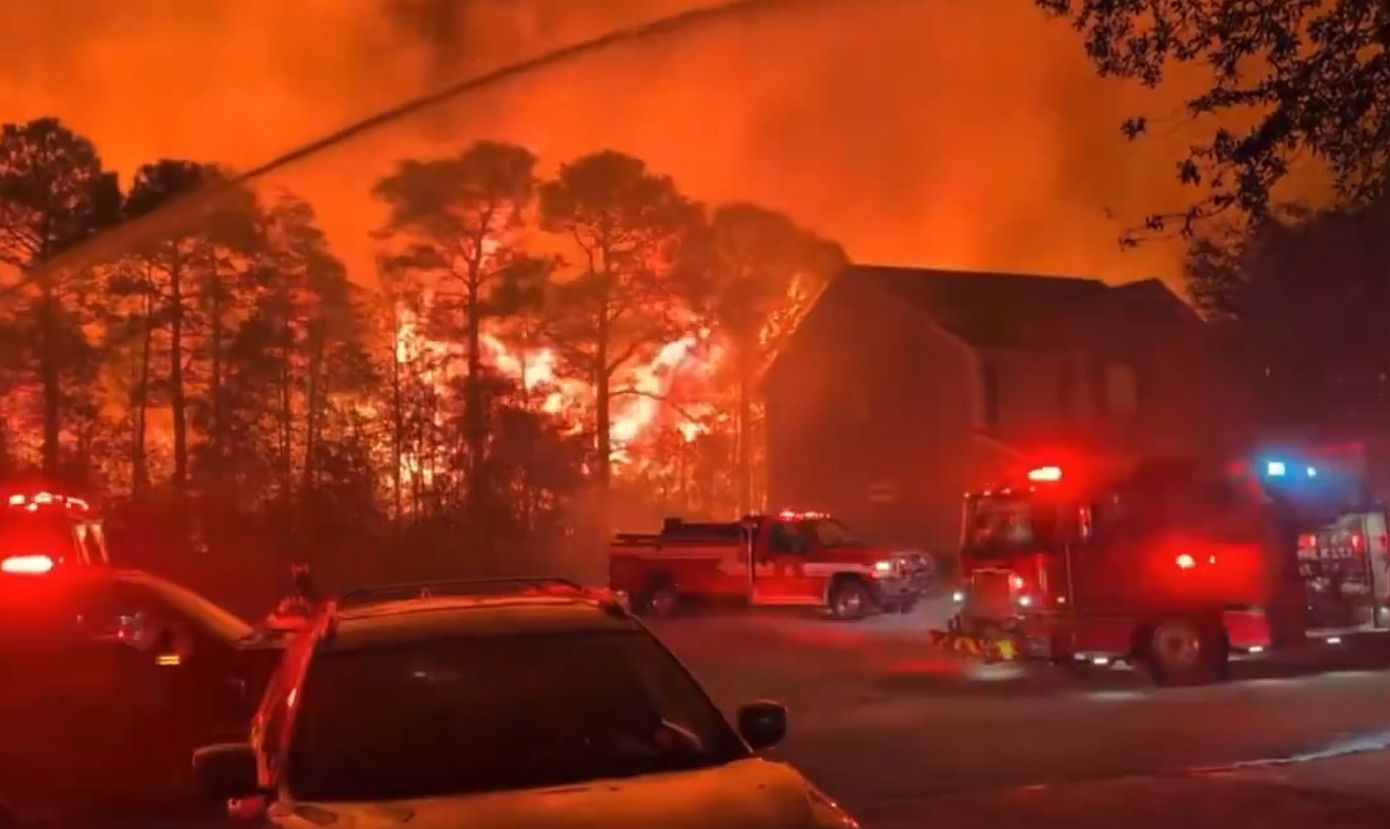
(951, 133)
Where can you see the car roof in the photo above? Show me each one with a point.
(402, 621)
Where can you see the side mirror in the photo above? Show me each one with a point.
(225, 771)
(762, 724)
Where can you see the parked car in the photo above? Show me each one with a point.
(501, 704)
(108, 679)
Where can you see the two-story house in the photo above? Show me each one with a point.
(903, 388)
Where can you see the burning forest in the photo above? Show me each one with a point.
(532, 343)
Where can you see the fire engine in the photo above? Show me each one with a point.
(43, 530)
(1176, 566)
(790, 559)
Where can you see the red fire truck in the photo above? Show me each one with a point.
(43, 529)
(797, 560)
(1176, 566)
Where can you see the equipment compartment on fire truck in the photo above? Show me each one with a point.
(1346, 566)
(798, 560)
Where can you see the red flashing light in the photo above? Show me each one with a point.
(43, 498)
(1185, 561)
(1357, 541)
(1048, 474)
(18, 499)
(1016, 581)
(29, 565)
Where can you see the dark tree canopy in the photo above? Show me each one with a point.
(1296, 295)
(1285, 78)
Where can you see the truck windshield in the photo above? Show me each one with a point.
(998, 526)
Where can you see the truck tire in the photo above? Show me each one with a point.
(849, 600)
(659, 600)
(1184, 651)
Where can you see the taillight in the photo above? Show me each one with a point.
(26, 565)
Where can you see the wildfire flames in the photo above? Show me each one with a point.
(643, 392)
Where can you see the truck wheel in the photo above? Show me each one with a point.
(849, 601)
(660, 601)
(1184, 651)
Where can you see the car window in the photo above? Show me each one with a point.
(483, 714)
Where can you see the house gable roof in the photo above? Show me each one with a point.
(1003, 310)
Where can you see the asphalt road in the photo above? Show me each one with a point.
(899, 732)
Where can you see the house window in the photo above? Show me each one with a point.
(1121, 389)
(989, 382)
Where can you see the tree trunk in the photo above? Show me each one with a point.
(218, 421)
(397, 429)
(286, 421)
(743, 462)
(139, 460)
(176, 391)
(475, 416)
(312, 394)
(49, 375)
(603, 427)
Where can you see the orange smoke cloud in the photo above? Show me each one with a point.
(947, 134)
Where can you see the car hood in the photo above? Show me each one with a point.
(748, 794)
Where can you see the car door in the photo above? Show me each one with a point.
(176, 681)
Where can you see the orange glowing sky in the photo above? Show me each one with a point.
(951, 133)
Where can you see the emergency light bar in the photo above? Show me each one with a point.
(1048, 474)
(46, 499)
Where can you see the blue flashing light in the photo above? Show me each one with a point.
(1312, 472)
(1276, 469)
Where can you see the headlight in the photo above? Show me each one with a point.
(883, 567)
(958, 596)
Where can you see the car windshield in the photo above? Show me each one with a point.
(484, 714)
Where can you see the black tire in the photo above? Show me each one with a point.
(1184, 651)
(849, 600)
(660, 600)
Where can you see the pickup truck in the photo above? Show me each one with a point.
(782, 560)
